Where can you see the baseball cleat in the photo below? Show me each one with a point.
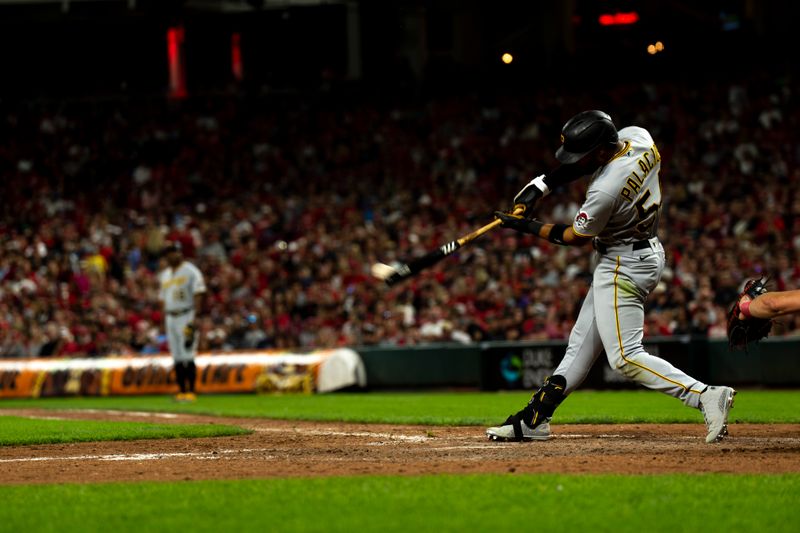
(185, 397)
(715, 404)
(505, 433)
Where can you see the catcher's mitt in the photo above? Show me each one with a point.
(741, 332)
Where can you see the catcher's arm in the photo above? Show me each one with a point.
(769, 305)
(743, 327)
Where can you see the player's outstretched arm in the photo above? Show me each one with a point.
(555, 233)
(771, 305)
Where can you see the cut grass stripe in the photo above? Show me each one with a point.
(447, 408)
(671, 503)
(17, 431)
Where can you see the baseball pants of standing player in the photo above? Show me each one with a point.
(176, 337)
(612, 318)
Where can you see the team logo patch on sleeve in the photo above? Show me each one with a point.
(582, 220)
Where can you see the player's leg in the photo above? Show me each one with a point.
(190, 350)
(533, 421)
(621, 285)
(583, 349)
(191, 375)
(175, 345)
(178, 348)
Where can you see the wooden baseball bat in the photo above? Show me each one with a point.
(393, 275)
(558, 177)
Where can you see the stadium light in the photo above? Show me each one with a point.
(618, 19)
(236, 57)
(507, 58)
(177, 72)
(653, 49)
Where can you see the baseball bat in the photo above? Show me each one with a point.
(558, 177)
(393, 275)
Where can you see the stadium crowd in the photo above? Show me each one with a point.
(284, 206)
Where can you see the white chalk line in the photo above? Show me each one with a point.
(425, 439)
(141, 456)
(144, 414)
(367, 434)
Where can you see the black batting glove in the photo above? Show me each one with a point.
(519, 223)
(512, 221)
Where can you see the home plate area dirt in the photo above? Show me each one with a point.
(279, 448)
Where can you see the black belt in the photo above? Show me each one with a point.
(180, 312)
(637, 245)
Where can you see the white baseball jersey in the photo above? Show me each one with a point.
(179, 286)
(623, 201)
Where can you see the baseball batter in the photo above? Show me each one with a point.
(620, 217)
(182, 286)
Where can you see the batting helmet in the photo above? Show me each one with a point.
(171, 246)
(583, 133)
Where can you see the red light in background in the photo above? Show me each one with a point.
(177, 72)
(618, 19)
(236, 57)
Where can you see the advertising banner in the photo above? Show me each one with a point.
(274, 371)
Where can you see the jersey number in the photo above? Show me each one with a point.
(647, 215)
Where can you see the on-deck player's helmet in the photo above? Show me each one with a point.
(171, 246)
(583, 133)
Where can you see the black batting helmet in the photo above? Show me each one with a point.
(583, 133)
(171, 246)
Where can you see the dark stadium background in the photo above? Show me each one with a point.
(425, 74)
(69, 48)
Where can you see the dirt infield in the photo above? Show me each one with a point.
(290, 448)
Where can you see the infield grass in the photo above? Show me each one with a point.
(445, 408)
(549, 502)
(438, 408)
(16, 430)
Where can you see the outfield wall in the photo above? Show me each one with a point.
(263, 371)
(523, 365)
(488, 366)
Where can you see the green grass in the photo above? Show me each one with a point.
(674, 503)
(550, 502)
(16, 431)
(443, 408)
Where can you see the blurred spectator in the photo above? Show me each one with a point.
(285, 205)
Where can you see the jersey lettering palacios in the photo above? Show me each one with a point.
(623, 200)
(179, 286)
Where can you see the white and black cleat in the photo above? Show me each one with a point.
(508, 433)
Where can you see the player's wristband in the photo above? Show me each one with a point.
(535, 227)
(744, 307)
(556, 235)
